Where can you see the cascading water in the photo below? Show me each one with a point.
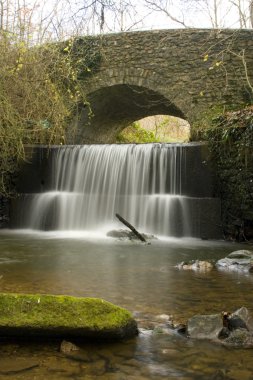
(91, 183)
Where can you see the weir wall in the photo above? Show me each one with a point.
(198, 183)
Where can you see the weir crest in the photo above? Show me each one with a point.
(150, 185)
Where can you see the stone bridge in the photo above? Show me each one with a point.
(190, 74)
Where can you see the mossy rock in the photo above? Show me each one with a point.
(36, 315)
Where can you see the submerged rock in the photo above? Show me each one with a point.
(197, 265)
(205, 326)
(67, 347)
(128, 235)
(29, 316)
(239, 338)
(239, 261)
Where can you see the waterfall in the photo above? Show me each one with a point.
(90, 183)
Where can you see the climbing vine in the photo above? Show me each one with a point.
(231, 144)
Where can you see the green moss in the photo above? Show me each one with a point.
(135, 134)
(53, 312)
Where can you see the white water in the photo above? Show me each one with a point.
(91, 183)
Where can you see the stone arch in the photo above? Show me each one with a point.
(189, 72)
(116, 106)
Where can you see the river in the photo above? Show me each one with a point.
(139, 277)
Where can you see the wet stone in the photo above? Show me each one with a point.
(235, 322)
(239, 261)
(197, 265)
(224, 333)
(241, 254)
(245, 317)
(67, 347)
(230, 329)
(163, 329)
(205, 326)
(239, 338)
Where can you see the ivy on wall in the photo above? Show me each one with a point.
(231, 144)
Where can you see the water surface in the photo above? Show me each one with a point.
(140, 277)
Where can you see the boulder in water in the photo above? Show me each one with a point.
(241, 318)
(205, 326)
(239, 261)
(128, 235)
(235, 330)
(46, 316)
(241, 254)
(197, 265)
(68, 347)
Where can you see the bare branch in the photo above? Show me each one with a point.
(251, 13)
(161, 7)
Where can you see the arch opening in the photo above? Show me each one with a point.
(116, 107)
(157, 128)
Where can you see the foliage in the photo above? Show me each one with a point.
(39, 91)
(85, 53)
(158, 128)
(171, 129)
(135, 134)
(231, 143)
(204, 123)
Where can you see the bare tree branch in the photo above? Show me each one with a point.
(251, 13)
(163, 7)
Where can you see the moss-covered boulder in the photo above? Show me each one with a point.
(37, 315)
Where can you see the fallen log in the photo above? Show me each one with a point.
(137, 234)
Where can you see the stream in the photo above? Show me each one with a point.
(139, 277)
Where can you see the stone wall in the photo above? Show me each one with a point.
(231, 146)
(184, 73)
